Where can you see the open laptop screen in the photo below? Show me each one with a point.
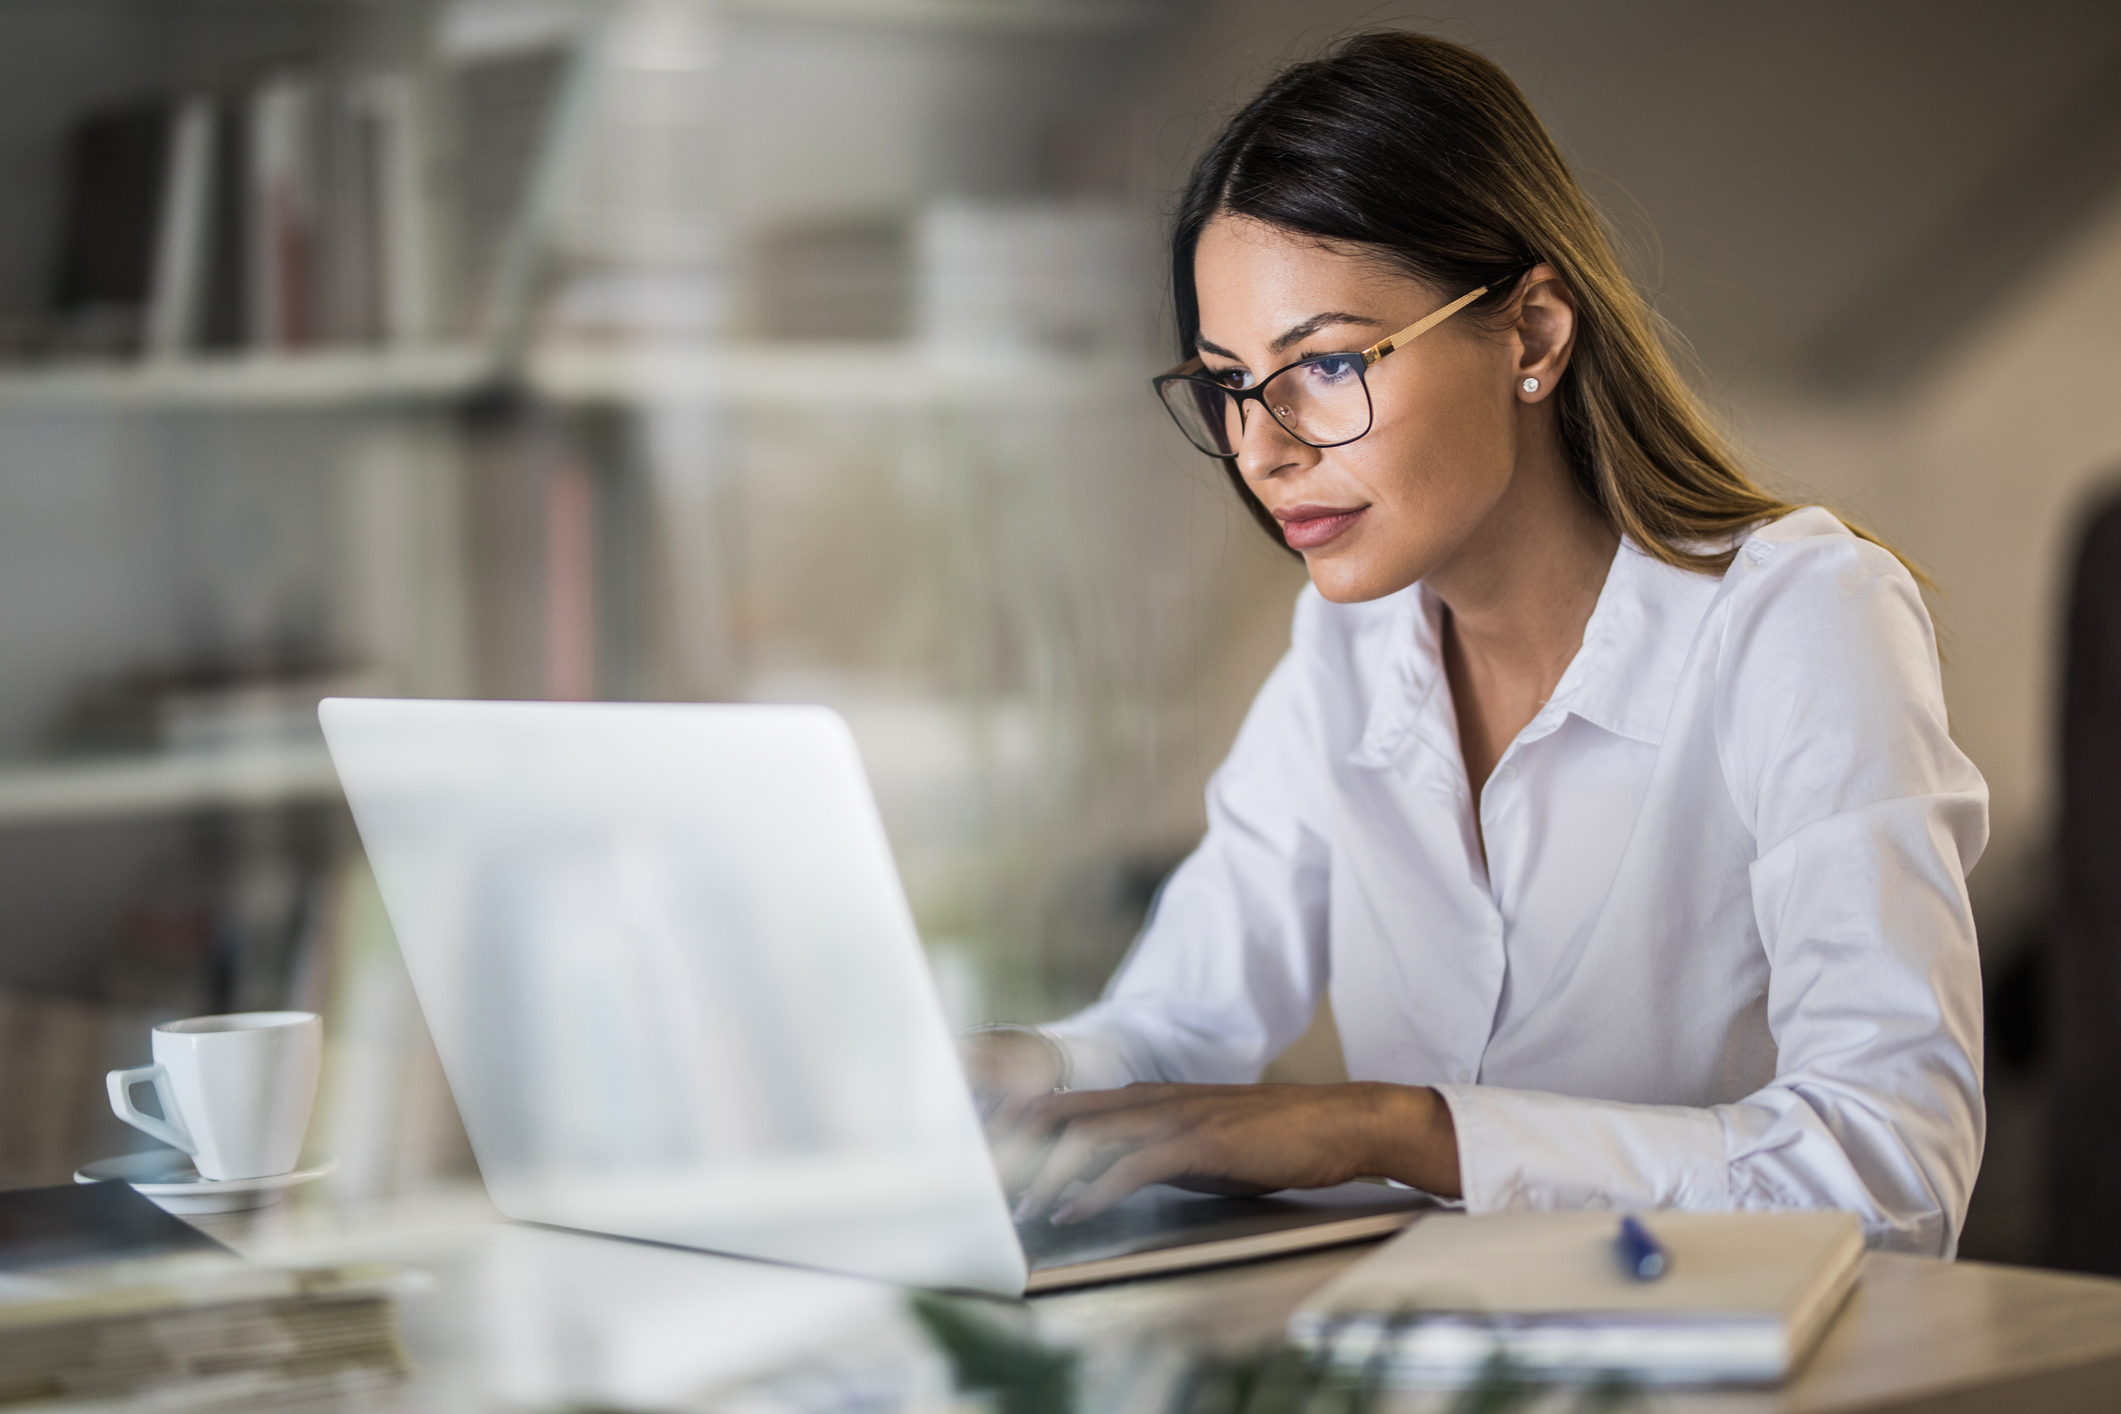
(673, 979)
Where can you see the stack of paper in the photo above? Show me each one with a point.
(103, 1296)
(1745, 1298)
(200, 1330)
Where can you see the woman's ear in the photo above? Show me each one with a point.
(1545, 331)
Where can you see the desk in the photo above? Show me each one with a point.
(510, 1316)
(1918, 1335)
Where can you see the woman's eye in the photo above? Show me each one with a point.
(1229, 377)
(1334, 369)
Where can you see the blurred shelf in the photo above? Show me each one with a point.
(961, 16)
(169, 783)
(820, 377)
(323, 378)
(809, 377)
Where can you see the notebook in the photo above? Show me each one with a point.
(106, 1299)
(1745, 1298)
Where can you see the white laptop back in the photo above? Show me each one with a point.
(674, 982)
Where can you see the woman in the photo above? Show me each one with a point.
(1610, 797)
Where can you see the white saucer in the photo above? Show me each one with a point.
(167, 1178)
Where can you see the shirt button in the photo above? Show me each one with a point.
(1506, 773)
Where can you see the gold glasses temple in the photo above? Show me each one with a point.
(1383, 346)
(1418, 328)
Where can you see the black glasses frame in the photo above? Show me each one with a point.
(1190, 372)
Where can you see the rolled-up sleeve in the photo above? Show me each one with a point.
(1834, 748)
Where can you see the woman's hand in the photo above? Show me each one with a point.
(1233, 1139)
(1008, 1070)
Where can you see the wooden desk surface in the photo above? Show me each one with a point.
(1919, 1335)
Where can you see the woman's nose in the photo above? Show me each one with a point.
(1265, 447)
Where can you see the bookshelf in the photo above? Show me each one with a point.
(188, 497)
(819, 378)
(324, 378)
(165, 783)
(512, 499)
(974, 17)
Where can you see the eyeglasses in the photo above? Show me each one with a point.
(1321, 401)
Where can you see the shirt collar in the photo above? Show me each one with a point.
(1413, 674)
(1623, 679)
(1634, 647)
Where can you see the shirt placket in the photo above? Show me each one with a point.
(1501, 832)
(1439, 770)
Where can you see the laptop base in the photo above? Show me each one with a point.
(1161, 1229)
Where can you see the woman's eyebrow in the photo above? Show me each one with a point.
(1297, 334)
(1321, 321)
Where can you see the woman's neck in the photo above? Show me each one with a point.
(1520, 592)
(1517, 597)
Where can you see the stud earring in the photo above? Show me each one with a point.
(1531, 385)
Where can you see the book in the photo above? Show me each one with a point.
(505, 107)
(177, 290)
(349, 229)
(283, 222)
(224, 314)
(199, 1331)
(1744, 1300)
(116, 170)
(393, 114)
(103, 1296)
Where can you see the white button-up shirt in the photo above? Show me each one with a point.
(1719, 954)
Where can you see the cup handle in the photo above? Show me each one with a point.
(170, 1131)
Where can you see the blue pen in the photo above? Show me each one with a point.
(1642, 1255)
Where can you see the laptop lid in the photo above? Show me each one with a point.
(674, 982)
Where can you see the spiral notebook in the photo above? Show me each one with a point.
(1744, 1300)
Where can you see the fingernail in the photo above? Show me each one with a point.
(1063, 1215)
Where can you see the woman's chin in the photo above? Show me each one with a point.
(1354, 579)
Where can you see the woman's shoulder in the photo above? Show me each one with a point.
(1828, 694)
(1807, 574)
(1827, 628)
(1812, 548)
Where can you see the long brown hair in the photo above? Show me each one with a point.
(1426, 154)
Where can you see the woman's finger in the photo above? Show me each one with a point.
(1085, 1149)
(1022, 1142)
(1158, 1163)
(1019, 1154)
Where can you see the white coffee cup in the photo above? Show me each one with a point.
(235, 1090)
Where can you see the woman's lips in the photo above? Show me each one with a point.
(1308, 527)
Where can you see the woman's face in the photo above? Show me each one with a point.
(1374, 516)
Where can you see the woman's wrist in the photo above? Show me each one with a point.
(1056, 1049)
(1411, 1138)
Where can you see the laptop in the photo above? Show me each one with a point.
(678, 996)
